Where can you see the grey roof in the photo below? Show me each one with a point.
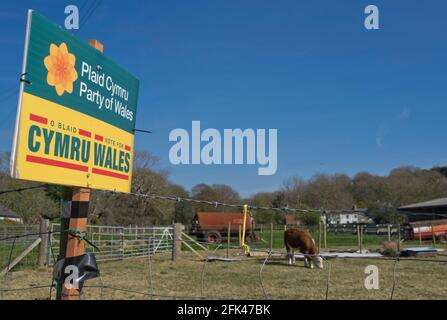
(5, 212)
(426, 204)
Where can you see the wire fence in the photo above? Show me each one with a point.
(329, 237)
(135, 262)
(222, 274)
(14, 240)
(204, 282)
(111, 243)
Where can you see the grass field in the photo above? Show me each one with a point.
(240, 280)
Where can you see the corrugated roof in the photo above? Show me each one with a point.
(5, 212)
(426, 204)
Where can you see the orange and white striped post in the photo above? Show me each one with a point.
(74, 218)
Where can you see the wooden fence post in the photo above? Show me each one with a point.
(325, 235)
(177, 242)
(74, 213)
(228, 239)
(398, 237)
(433, 235)
(389, 232)
(44, 229)
(420, 236)
(358, 237)
(319, 236)
(361, 238)
(271, 237)
(240, 235)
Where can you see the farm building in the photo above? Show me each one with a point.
(427, 210)
(348, 217)
(6, 214)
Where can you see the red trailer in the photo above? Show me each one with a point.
(425, 230)
(213, 226)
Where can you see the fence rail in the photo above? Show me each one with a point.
(14, 242)
(114, 243)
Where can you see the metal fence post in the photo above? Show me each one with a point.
(122, 242)
(150, 249)
(50, 242)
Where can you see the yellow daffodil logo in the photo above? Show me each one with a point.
(61, 68)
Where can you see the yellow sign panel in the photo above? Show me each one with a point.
(54, 145)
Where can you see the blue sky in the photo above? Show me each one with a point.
(344, 99)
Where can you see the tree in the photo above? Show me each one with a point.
(214, 193)
(441, 170)
(122, 209)
(321, 191)
(311, 219)
(183, 212)
(265, 199)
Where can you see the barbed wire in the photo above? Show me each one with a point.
(29, 235)
(233, 205)
(229, 205)
(88, 13)
(152, 294)
(23, 189)
(26, 288)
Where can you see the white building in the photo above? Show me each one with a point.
(6, 214)
(348, 217)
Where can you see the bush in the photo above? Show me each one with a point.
(390, 249)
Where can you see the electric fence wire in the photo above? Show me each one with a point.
(202, 296)
(88, 13)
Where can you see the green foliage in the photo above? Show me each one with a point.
(54, 192)
(311, 219)
(8, 223)
(441, 170)
(216, 192)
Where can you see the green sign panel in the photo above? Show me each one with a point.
(102, 89)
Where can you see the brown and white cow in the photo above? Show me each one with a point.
(302, 240)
